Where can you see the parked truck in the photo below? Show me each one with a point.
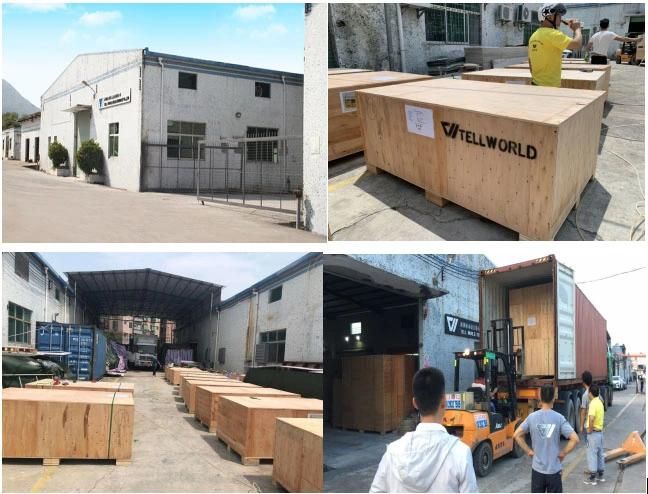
(143, 351)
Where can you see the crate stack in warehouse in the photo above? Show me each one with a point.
(258, 423)
(517, 154)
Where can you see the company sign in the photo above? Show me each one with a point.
(114, 100)
(458, 326)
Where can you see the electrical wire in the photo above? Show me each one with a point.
(611, 276)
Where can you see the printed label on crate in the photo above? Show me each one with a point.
(531, 321)
(453, 401)
(481, 421)
(419, 121)
(348, 101)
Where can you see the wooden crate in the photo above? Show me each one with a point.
(197, 377)
(67, 424)
(191, 386)
(183, 388)
(572, 79)
(573, 66)
(344, 134)
(207, 400)
(373, 392)
(533, 308)
(518, 155)
(339, 71)
(108, 386)
(175, 373)
(247, 423)
(299, 455)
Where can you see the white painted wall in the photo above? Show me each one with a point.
(29, 132)
(107, 73)
(232, 333)
(11, 139)
(215, 102)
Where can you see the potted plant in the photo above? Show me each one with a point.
(90, 159)
(60, 158)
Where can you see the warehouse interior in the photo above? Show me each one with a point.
(367, 311)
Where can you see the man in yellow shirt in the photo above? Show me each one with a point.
(547, 43)
(594, 426)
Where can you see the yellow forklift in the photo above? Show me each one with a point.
(484, 423)
(632, 53)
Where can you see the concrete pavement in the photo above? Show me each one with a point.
(38, 207)
(172, 452)
(382, 207)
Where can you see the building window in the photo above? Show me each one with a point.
(183, 138)
(114, 325)
(57, 294)
(21, 267)
(55, 139)
(187, 80)
(113, 139)
(453, 23)
(130, 325)
(356, 328)
(221, 355)
(275, 294)
(262, 150)
(276, 345)
(19, 324)
(262, 89)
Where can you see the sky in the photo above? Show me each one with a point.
(236, 271)
(261, 35)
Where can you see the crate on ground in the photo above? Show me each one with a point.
(67, 424)
(574, 66)
(298, 455)
(344, 135)
(190, 389)
(572, 79)
(207, 399)
(108, 386)
(183, 388)
(247, 423)
(518, 155)
(175, 373)
(373, 392)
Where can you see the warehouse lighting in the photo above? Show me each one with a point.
(346, 338)
(94, 93)
(357, 337)
(356, 328)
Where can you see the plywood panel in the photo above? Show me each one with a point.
(533, 308)
(207, 400)
(75, 424)
(176, 372)
(374, 392)
(607, 69)
(298, 455)
(107, 386)
(192, 385)
(197, 377)
(491, 148)
(345, 136)
(247, 424)
(572, 79)
(339, 71)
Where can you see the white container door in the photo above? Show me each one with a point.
(566, 316)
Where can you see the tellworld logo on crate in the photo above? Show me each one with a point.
(452, 130)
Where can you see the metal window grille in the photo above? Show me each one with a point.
(453, 23)
(183, 139)
(19, 324)
(262, 89)
(267, 151)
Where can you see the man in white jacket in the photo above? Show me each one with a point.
(428, 459)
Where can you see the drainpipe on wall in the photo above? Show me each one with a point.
(401, 40)
(161, 94)
(256, 327)
(46, 290)
(216, 348)
(75, 303)
(211, 311)
(285, 131)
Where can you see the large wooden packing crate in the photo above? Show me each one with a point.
(299, 455)
(183, 389)
(339, 71)
(190, 389)
(247, 423)
(518, 155)
(207, 399)
(572, 79)
(573, 66)
(344, 134)
(373, 392)
(175, 373)
(67, 424)
(109, 386)
(533, 308)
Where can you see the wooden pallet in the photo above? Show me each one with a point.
(233, 446)
(54, 462)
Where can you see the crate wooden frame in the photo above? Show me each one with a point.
(298, 455)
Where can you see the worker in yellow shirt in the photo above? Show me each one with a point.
(594, 426)
(548, 42)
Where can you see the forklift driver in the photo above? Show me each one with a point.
(480, 383)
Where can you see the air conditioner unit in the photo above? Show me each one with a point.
(523, 14)
(505, 13)
(261, 353)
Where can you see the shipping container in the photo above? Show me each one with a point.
(557, 332)
(85, 348)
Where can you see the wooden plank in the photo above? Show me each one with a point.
(60, 424)
(491, 148)
(298, 455)
(109, 386)
(533, 308)
(207, 400)
(247, 423)
(572, 79)
(344, 137)
(339, 71)
(190, 389)
(607, 69)
(374, 392)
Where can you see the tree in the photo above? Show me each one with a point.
(9, 119)
(58, 153)
(90, 157)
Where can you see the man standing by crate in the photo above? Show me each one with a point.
(595, 420)
(587, 382)
(428, 459)
(546, 426)
(599, 44)
(547, 44)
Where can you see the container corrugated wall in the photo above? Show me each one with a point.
(591, 339)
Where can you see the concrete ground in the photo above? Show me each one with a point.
(351, 458)
(38, 207)
(383, 207)
(172, 452)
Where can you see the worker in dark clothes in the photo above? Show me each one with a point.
(156, 365)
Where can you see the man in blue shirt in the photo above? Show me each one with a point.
(546, 426)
